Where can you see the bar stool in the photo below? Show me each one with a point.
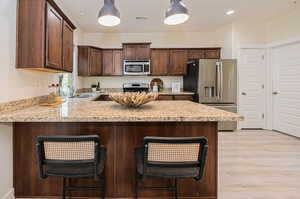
(72, 157)
(170, 158)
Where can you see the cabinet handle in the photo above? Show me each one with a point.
(243, 93)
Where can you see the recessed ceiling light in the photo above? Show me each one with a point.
(230, 12)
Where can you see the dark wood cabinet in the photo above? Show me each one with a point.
(67, 47)
(95, 62)
(196, 54)
(178, 62)
(160, 61)
(54, 39)
(112, 62)
(43, 42)
(108, 66)
(212, 54)
(134, 51)
(89, 61)
(176, 97)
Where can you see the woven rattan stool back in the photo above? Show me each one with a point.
(185, 150)
(68, 148)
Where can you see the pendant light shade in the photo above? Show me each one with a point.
(109, 15)
(177, 13)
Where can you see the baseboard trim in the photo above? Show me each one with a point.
(9, 195)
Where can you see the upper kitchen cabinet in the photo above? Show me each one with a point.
(137, 51)
(213, 53)
(112, 62)
(44, 37)
(196, 54)
(178, 62)
(54, 39)
(160, 61)
(67, 47)
(201, 53)
(89, 61)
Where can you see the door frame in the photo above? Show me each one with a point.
(265, 82)
(272, 72)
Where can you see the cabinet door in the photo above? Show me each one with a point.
(108, 67)
(196, 54)
(130, 52)
(54, 39)
(118, 62)
(183, 97)
(142, 52)
(160, 62)
(95, 62)
(212, 54)
(67, 48)
(178, 62)
(165, 97)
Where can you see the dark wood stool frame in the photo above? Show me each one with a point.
(95, 166)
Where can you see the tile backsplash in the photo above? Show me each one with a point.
(117, 82)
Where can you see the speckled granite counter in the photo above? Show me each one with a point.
(85, 110)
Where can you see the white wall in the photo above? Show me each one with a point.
(15, 84)
(6, 164)
(284, 27)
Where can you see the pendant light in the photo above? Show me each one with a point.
(109, 15)
(177, 13)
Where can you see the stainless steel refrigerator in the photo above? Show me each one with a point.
(215, 84)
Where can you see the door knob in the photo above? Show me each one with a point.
(243, 93)
(275, 93)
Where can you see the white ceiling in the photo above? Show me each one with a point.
(205, 15)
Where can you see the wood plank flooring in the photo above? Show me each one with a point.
(258, 165)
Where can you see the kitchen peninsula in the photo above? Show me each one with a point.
(121, 130)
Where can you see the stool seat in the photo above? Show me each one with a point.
(163, 172)
(75, 170)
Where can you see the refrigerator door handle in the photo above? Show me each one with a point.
(218, 80)
(221, 80)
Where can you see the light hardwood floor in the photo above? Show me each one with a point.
(259, 165)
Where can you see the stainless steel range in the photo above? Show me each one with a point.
(135, 87)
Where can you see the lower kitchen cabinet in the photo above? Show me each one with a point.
(176, 97)
(160, 97)
(89, 61)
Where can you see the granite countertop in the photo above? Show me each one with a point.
(86, 110)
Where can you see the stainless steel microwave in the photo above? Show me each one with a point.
(136, 67)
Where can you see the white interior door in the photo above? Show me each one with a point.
(286, 88)
(251, 66)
